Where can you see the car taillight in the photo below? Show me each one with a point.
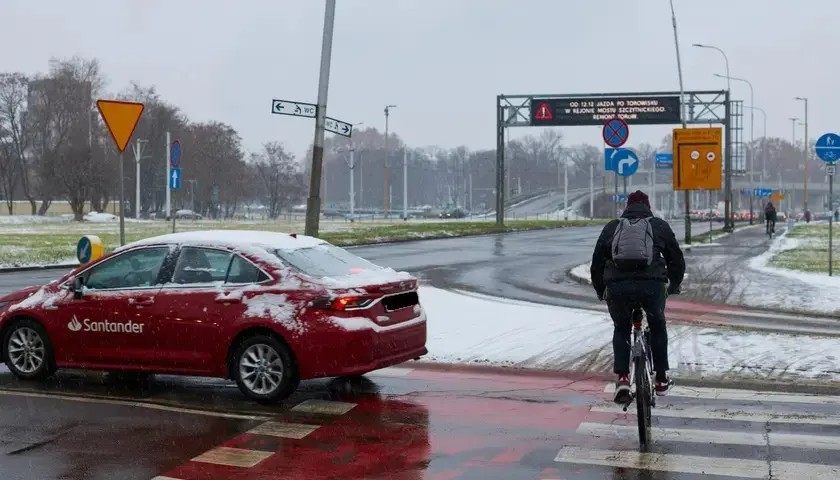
(343, 304)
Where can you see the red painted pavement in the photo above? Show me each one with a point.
(430, 424)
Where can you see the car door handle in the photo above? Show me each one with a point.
(141, 302)
(228, 300)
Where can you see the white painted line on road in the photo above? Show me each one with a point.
(731, 467)
(296, 431)
(631, 432)
(323, 407)
(233, 457)
(391, 372)
(161, 477)
(739, 413)
(131, 403)
(690, 435)
(744, 395)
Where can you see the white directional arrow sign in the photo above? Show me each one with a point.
(338, 127)
(297, 109)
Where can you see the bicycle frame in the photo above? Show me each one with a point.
(641, 390)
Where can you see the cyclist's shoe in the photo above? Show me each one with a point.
(662, 388)
(622, 390)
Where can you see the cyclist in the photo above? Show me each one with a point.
(634, 258)
(770, 218)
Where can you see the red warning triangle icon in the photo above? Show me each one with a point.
(543, 112)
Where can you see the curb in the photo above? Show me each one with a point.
(802, 385)
(35, 268)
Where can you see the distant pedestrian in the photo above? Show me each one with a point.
(837, 214)
(807, 216)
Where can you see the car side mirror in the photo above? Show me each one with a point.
(77, 286)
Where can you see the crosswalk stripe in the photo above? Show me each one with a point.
(819, 442)
(744, 395)
(391, 372)
(323, 407)
(731, 467)
(738, 413)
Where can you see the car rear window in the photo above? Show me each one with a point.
(325, 261)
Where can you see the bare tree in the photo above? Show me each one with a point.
(280, 177)
(13, 138)
(60, 111)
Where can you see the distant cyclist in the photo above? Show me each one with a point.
(770, 218)
(634, 258)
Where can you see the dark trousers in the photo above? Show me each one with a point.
(622, 297)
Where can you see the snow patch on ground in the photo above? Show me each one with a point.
(582, 273)
(31, 219)
(481, 330)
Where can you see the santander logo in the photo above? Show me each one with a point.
(74, 325)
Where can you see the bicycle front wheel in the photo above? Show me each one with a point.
(643, 394)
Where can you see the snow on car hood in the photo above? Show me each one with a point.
(19, 295)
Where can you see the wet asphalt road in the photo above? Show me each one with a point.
(408, 423)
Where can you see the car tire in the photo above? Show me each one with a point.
(23, 344)
(254, 366)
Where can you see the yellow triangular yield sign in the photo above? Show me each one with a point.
(121, 119)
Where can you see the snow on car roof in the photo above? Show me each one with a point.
(238, 239)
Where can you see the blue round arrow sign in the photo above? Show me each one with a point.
(828, 148)
(626, 162)
(175, 154)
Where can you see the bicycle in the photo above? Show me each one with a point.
(641, 377)
(771, 228)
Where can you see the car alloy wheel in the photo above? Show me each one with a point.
(264, 369)
(26, 350)
(261, 369)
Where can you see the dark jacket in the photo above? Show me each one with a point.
(770, 213)
(668, 263)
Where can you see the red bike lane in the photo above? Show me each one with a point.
(422, 423)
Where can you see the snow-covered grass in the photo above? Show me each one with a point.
(807, 250)
(475, 329)
(787, 247)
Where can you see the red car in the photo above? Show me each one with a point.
(264, 309)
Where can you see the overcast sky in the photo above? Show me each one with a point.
(441, 61)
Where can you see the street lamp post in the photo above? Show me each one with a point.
(764, 135)
(352, 166)
(752, 136)
(387, 202)
(138, 155)
(805, 152)
(729, 224)
(684, 125)
(793, 121)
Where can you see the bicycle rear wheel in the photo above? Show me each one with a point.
(643, 393)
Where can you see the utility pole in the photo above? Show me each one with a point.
(352, 166)
(591, 191)
(313, 203)
(566, 190)
(138, 155)
(682, 118)
(387, 191)
(168, 157)
(405, 184)
(806, 152)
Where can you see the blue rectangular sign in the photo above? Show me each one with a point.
(609, 164)
(664, 160)
(619, 198)
(175, 179)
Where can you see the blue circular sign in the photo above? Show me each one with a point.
(175, 154)
(626, 162)
(84, 250)
(828, 148)
(616, 132)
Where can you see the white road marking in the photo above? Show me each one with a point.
(161, 477)
(131, 403)
(324, 407)
(391, 372)
(737, 413)
(731, 467)
(233, 457)
(757, 439)
(284, 430)
(744, 395)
